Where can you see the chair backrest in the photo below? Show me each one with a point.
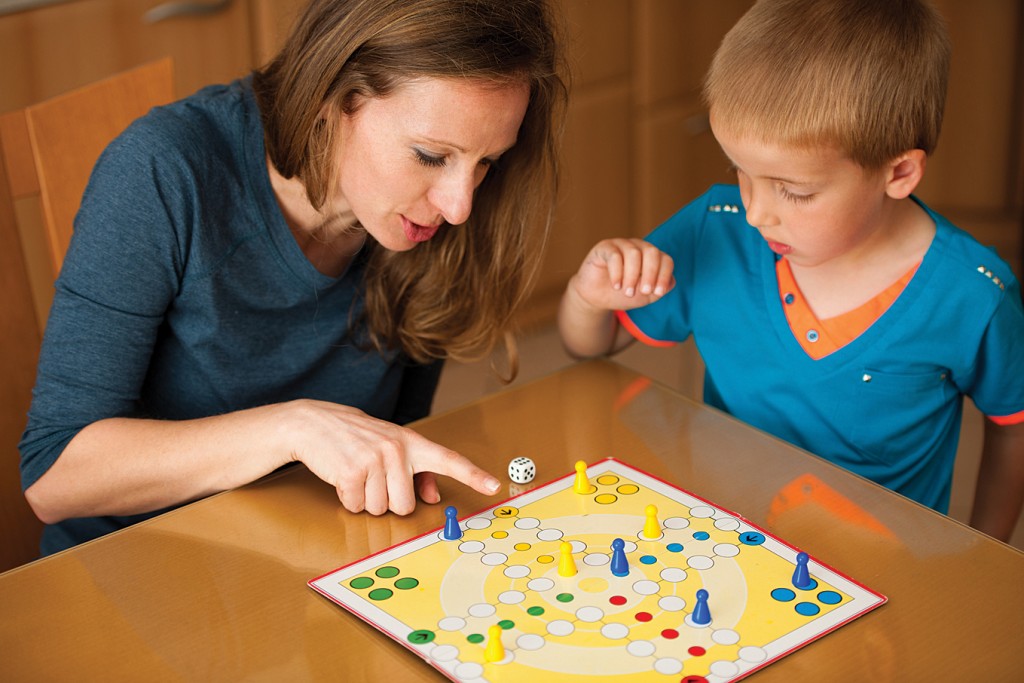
(19, 350)
(47, 152)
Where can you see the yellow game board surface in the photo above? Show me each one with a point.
(528, 591)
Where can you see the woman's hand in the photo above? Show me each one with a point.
(374, 465)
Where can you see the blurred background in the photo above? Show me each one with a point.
(636, 148)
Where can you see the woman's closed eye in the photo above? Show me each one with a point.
(437, 161)
(431, 160)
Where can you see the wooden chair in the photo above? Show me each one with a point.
(47, 152)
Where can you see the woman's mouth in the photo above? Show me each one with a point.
(418, 233)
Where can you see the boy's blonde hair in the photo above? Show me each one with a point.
(867, 77)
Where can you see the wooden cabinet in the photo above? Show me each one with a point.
(637, 146)
(58, 47)
(976, 176)
(271, 22)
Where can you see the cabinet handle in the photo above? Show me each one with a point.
(171, 10)
(12, 6)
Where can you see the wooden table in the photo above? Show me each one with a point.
(216, 591)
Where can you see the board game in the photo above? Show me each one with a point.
(533, 589)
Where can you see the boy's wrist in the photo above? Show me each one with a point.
(580, 302)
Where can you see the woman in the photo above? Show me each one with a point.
(273, 270)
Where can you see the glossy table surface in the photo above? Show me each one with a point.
(217, 590)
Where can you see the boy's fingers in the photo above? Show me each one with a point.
(651, 270)
(632, 268)
(607, 254)
(666, 277)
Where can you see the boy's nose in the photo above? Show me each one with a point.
(757, 208)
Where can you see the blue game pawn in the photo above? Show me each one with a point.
(620, 565)
(802, 575)
(452, 530)
(701, 614)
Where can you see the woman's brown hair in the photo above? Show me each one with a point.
(454, 296)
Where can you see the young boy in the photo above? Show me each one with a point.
(831, 307)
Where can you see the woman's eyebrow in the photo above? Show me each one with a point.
(463, 150)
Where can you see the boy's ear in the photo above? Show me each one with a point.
(904, 173)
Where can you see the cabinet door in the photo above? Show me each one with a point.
(271, 22)
(58, 47)
(976, 176)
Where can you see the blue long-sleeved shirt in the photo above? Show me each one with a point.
(184, 294)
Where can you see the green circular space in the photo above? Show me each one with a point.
(387, 572)
(406, 583)
(421, 636)
(361, 582)
(565, 597)
(535, 611)
(380, 593)
(475, 638)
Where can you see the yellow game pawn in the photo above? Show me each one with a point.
(651, 527)
(566, 565)
(582, 484)
(495, 651)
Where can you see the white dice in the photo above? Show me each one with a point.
(522, 470)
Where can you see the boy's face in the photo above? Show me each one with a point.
(812, 206)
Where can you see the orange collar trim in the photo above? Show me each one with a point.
(819, 338)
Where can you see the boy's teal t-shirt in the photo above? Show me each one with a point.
(888, 405)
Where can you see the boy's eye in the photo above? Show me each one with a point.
(793, 197)
(429, 159)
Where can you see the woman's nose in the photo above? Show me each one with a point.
(453, 197)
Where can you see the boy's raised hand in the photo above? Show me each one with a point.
(624, 273)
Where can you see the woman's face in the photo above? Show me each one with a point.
(411, 161)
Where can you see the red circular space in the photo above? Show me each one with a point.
(697, 651)
(617, 600)
(670, 634)
(694, 679)
(643, 616)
